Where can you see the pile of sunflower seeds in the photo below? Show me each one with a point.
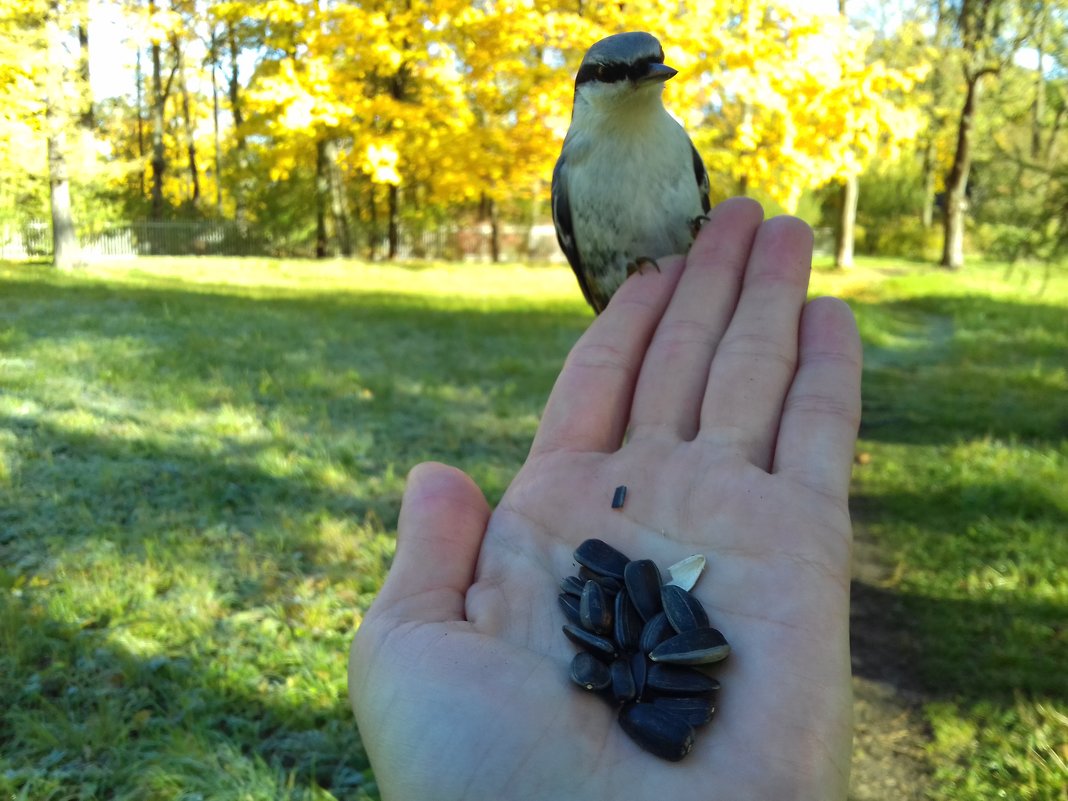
(641, 639)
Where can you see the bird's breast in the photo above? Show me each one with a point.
(633, 194)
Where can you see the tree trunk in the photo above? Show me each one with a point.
(394, 228)
(338, 209)
(927, 211)
(322, 243)
(489, 212)
(88, 116)
(65, 253)
(957, 182)
(159, 161)
(187, 124)
(214, 56)
(847, 223)
(140, 79)
(1038, 107)
(240, 201)
(372, 211)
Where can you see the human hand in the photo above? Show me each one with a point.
(729, 407)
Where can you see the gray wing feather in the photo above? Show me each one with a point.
(565, 230)
(704, 187)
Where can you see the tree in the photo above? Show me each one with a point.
(65, 252)
(850, 196)
(987, 34)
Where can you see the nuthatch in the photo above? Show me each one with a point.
(629, 185)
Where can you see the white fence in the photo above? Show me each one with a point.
(33, 239)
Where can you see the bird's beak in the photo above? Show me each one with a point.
(658, 73)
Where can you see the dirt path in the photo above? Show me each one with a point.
(889, 735)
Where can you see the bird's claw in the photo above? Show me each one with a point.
(696, 223)
(636, 265)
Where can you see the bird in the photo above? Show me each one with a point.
(629, 186)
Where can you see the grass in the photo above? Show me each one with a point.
(201, 463)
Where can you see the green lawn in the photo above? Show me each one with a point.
(201, 463)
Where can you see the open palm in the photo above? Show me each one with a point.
(728, 406)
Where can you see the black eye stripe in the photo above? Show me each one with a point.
(616, 71)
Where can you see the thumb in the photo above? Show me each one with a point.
(443, 518)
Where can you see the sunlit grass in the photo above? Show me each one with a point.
(201, 464)
(964, 482)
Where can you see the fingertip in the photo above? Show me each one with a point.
(728, 219)
(828, 324)
(442, 521)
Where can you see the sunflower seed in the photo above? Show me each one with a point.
(639, 637)
(642, 579)
(682, 609)
(657, 629)
(696, 710)
(572, 585)
(619, 497)
(658, 731)
(601, 558)
(661, 679)
(696, 647)
(570, 605)
(626, 624)
(594, 611)
(608, 584)
(589, 672)
(638, 668)
(685, 573)
(594, 643)
(623, 688)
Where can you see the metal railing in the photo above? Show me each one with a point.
(33, 239)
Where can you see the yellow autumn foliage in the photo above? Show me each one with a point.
(462, 100)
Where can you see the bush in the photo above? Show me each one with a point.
(899, 236)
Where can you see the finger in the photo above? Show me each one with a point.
(822, 409)
(756, 358)
(589, 406)
(667, 399)
(443, 518)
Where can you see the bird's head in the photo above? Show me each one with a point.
(621, 71)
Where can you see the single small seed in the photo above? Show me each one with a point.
(694, 647)
(683, 609)
(594, 611)
(619, 497)
(658, 731)
(601, 558)
(589, 672)
(594, 643)
(642, 580)
(657, 629)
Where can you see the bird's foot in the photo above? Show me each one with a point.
(696, 223)
(636, 265)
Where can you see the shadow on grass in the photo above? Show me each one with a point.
(99, 716)
(962, 484)
(988, 650)
(948, 368)
(255, 447)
